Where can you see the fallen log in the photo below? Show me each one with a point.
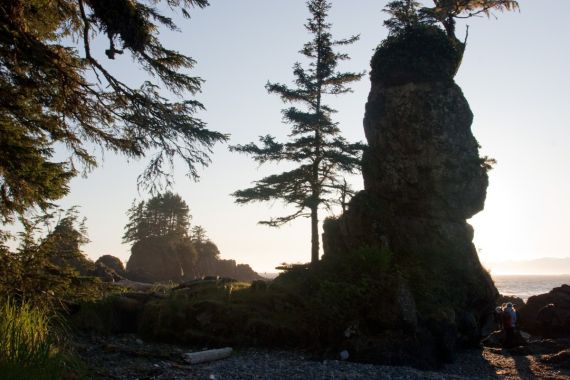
(207, 356)
(134, 285)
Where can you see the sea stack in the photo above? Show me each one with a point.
(423, 177)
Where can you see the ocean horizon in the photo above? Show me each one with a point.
(525, 286)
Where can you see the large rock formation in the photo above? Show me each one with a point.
(423, 178)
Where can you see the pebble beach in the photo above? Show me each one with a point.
(129, 358)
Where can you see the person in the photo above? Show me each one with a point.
(509, 317)
(497, 317)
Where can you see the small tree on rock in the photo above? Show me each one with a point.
(446, 11)
(158, 231)
(408, 13)
(164, 215)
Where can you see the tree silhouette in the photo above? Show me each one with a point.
(409, 13)
(315, 146)
(446, 11)
(56, 91)
(164, 215)
(208, 259)
(198, 234)
(404, 14)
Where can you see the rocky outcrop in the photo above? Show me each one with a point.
(160, 259)
(547, 315)
(164, 260)
(423, 178)
(230, 269)
(113, 263)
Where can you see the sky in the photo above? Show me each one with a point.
(514, 76)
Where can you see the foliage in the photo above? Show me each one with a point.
(31, 343)
(366, 261)
(406, 14)
(422, 53)
(113, 263)
(327, 306)
(307, 306)
(416, 49)
(57, 92)
(487, 163)
(208, 258)
(226, 312)
(24, 334)
(446, 11)
(198, 234)
(339, 291)
(316, 147)
(44, 269)
(164, 215)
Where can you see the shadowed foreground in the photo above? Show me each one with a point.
(127, 357)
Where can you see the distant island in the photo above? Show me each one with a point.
(542, 266)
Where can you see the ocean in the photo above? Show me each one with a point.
(524, 286)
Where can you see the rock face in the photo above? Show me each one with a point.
(423, 160)
(423, 178)
(547, 315)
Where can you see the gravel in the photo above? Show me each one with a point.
(128, 358)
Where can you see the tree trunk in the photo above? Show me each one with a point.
(314, 234)
(449, 25)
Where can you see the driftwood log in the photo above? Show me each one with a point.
(208, 355)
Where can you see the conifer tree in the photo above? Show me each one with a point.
(56, 90)
(315, 145)
(198, 234)
(164, 215)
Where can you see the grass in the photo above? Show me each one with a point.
(28, 343)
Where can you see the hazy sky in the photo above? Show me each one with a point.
(514, 75)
